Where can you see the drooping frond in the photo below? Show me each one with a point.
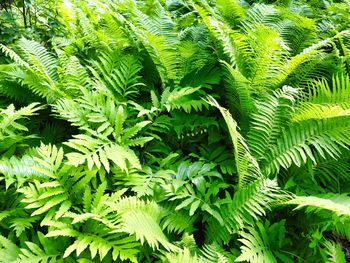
(232, 42)
(247, 167)
(239, 93)
(36, 68)
(39, 59)
(335, 203)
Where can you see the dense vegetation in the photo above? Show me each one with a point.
(174, 131)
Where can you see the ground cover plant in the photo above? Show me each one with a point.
(174, 131)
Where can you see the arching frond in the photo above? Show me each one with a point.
(334, 203)
(247, 167)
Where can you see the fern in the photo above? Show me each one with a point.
(270, 117)
(120, 78)
(8, 250)
(99, 153)
(254, 248)
(334, 203)
(124, 161)
(247, 166)
(334, 252)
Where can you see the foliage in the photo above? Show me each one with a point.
(174, 131)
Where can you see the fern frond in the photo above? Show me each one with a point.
(99, 153)
(155, 34)
(182, 98)
(247, 167)
(36, 254)
(323, 101)
(239, 92)
(142, 219)
(250, 202)
(183, 256)
(232, 42)
(39, 72)
(334, 252)
(231, 10)
(8, 250)
(268, 121)
(39, 59)
(254, 248)
(326, 136)
(292, 64)
(119, 73)
(215, 253)
(335, 203)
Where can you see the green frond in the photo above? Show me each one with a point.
(320, 92)
(293, 63)
(269, 53)
(247, 167)
(97, 152)
(41, 197)
(156, 35)
(268, 120)
(250, 202)
(183, 256)
(142, 219)
(232, 42)
(323, 101)
(122, 248)
(12, 90)
(18, 169)
(36, 254)
(126, 162)
(8, 250)
(254, 248)
(327, 137)
(215, 253)
(334, 203)
(86, 29)
(334, 252)
(89, 112)
(186, 98)
(74, 75)
(39, 59)
(119, 73)
(231, 10)
(239, 92)
(14, 56)
(178, 221)
(39, 72)
(262, 14)
(12, 130)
